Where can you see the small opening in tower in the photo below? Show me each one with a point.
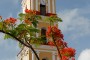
(42, 9)
(43, 59)
(43, 34)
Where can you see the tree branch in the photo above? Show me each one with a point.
(29, 46)
(57, 49)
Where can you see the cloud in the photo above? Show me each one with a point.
(75, 23)
(84, 55)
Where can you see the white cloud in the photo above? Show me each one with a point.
(84, 55)
(67, 17)
(74, 22)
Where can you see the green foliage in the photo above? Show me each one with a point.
(21, 27)
(20, 45)
(52, 19)
(13, 32)
(27, 29)
(7, 36)
(35, 23)
(1, 25)
(21, 16)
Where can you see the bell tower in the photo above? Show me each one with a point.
(43, 8)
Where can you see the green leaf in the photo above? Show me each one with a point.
(7, 36)
(32, 29)
(20, 45)
(21, 16)
(35, 23)
(14, 32)
(21, 27)
(37, 17)
(59, 19)
(1, 25)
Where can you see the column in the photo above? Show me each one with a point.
(32, 5)
(28, 4)
(53, 56)
(46, 6)
(49, 6)
(37, 53)
(58, 57)
(37, 5)
(53, 6)
(33, 58)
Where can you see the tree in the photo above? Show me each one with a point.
(25, 33)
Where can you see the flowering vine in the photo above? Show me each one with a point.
(25, 32)
(55, 37)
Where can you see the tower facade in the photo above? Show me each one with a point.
(37, 5)
(43, 8)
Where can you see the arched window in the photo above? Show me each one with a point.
(43, 7)
(43, 34)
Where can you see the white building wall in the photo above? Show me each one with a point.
(28, 4)
(37, 3)
(53, 6)
(48, 6)
(32, 5)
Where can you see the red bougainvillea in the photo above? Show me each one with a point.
(10, 20)
(32, 11)
(48, 33)
(65, 58)
(0, 17)
(50, 43)
(70, 52)
(28, 22)
(27, 11)
(50, 14)
(55, 34)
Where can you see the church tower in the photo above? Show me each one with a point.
(43, 8)
(46, 6)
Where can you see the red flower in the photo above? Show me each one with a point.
(48, 32)
(54, 32)
(68, 52)
(37, 12)
(27, 11)
(65, 58)
(10, 20)
(73, 58)
(50, 14)
(34, 12)
(57, 32)
(31, 11)
(0, 17)
(65, 44)
(27, 22)
(51, 43)
(59, 42)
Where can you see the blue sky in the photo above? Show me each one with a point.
(75, 26)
